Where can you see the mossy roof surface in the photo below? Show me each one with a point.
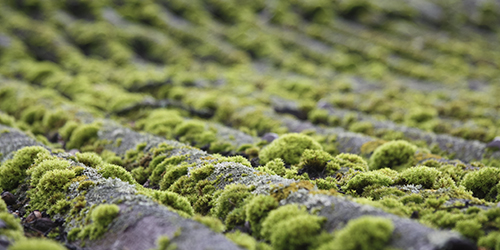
(400, 97)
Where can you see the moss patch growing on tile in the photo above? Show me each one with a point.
(13, 171)
(36, 244)
(288, 147)
(394, 154)
(101, 217)
(363, 233)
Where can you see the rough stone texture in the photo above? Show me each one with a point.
(11, 140)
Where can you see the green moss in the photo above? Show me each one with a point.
(394, 154)
(318, 116)
(40, 169)
(362, 180)
(246, 241)
(490, 241)
(159, 169)
(67, 130)
(483, 182)
(89, 159)
(220, 147)
(277, 166)
(257, 210)
(363, 233)
(316, 159)
(50, 188)
(235, 218)
(237, 159)
(164, 243)
(415, 198)
(3, 206)
(36, 244)
(172, 174)
(352, 161)
(83, 134)
(161, 122)
(14, 171)
(419, 175)
(232, 197)
(114, 171)
(55, 119)
(33, 114)
(7, 120)
(140, 175)
(288, 147)
(73, 233)
(191, 131)
(174, 201)
(61, 207)
(297, 232)
(78, 170)
(84, 185)
(101, 216)
(471, 229)
(326, 183)
(13, 231)
(211, 222)
(363, 127)
(280, 214)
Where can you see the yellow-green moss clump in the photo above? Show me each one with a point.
(13, 230)
(13, 171)
(82, 134)
(420, 175)
(484, 183)
(213, 223)
(89, 159)
(277, 166)
(290, 227)
(101, 217)
(51, 188)
(246, 241)
(39, 170)
(172, 174)
(174, 201)
(114, 171)
(491, 241)
(316, 159)
(161, 122)
(362, 180)
(232, 197)
(36, 244)
(346, 160)
(363, 233)
(288, 147)
(3, 206)
(164, 243)
(394, 154)
(257, 210)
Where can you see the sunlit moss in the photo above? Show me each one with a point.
(101, 216)
(13, 171)
(113, 171)
(366, 232)
(82, 134)
(36, 244)
(393, 154)
(288, 147)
